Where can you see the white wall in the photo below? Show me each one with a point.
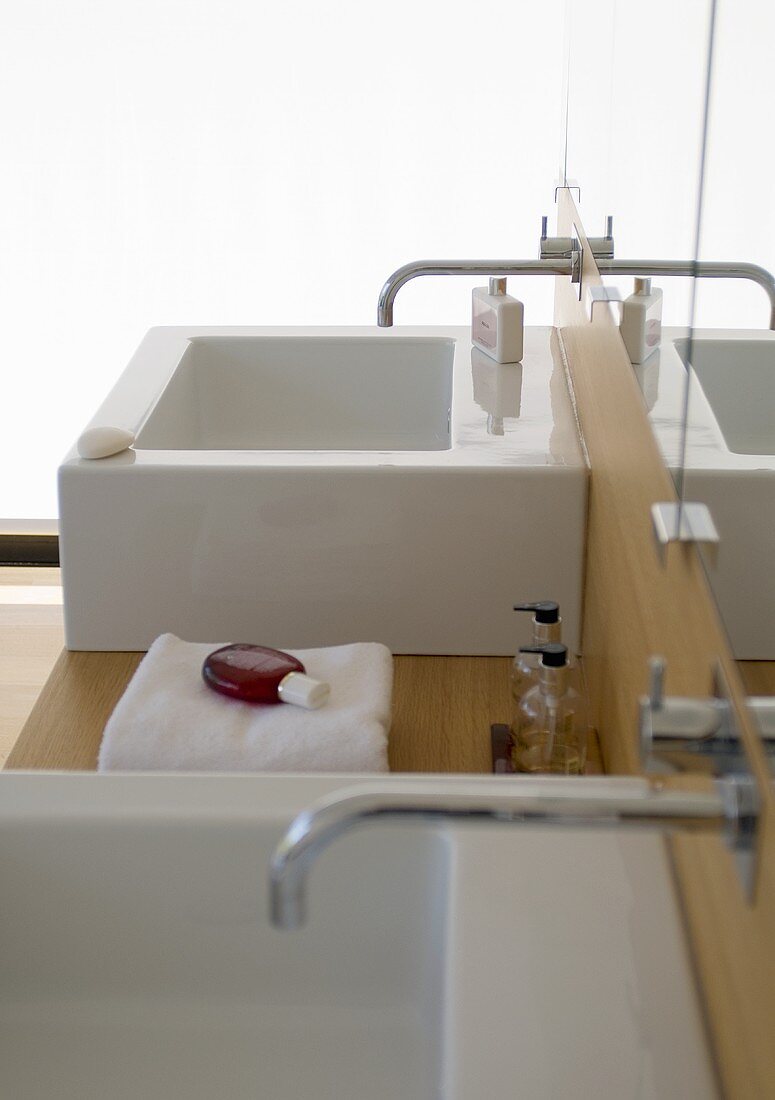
(249, 162)
(738, 214)
(635, 131)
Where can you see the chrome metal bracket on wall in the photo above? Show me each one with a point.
(562, 248)
(683, 521)
(603, 247)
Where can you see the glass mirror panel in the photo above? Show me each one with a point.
(636, 89)
(730, 429)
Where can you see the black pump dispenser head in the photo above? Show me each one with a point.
(546, 611)
(553, 654)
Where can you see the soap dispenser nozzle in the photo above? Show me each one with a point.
(546, 611)
(554, 665)
(553, 654)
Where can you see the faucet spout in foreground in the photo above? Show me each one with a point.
(727, 806)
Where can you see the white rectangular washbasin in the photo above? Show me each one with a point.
(728, 464)
(304, 487)
(268, 393)
(138, 960)
(737, 378)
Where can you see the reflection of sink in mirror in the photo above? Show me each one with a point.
(729, 465)
(308, 487)
(268, 393)
(738, 380)
(139, 962)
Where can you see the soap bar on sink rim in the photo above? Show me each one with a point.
(258, 674)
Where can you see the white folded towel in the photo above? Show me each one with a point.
(169, 720)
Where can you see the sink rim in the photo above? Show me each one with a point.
(545, 438)
(259, 384)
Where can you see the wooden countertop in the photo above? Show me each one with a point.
(443, 708)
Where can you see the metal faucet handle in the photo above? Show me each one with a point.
(676, 724)
(603, 247)
(552, 248)
(657, 666)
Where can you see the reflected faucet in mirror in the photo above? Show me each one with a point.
(696, 269)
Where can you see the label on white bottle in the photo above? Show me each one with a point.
(653, 327)
(485, 324)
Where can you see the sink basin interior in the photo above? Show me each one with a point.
(305, 393)
(174, 973)
(138, 959)
(738, 379)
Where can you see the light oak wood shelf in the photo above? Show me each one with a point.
(443, 708)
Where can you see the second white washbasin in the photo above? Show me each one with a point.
(728, 463)
(738, 380)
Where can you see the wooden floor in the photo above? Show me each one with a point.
(31, 639)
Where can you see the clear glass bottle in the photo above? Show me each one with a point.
(547, 627)
(551, 728)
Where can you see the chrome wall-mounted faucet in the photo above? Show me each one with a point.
(679, 730)
(726, 808)
(556, 266)
(563, 256)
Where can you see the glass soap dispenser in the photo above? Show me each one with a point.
(550, 734)
(547, 627)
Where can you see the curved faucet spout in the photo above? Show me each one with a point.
(555, 800)
(559, 266)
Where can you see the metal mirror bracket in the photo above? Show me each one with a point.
(609, 295)
(683, 521)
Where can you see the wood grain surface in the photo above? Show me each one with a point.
(442, 711)
(636, 606)
(443, 708)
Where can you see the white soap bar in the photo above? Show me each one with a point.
(103, 442)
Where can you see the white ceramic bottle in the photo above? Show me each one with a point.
(497, 322)
(641, 326)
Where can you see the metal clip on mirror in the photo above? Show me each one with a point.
(683, 521)
(607, 294)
